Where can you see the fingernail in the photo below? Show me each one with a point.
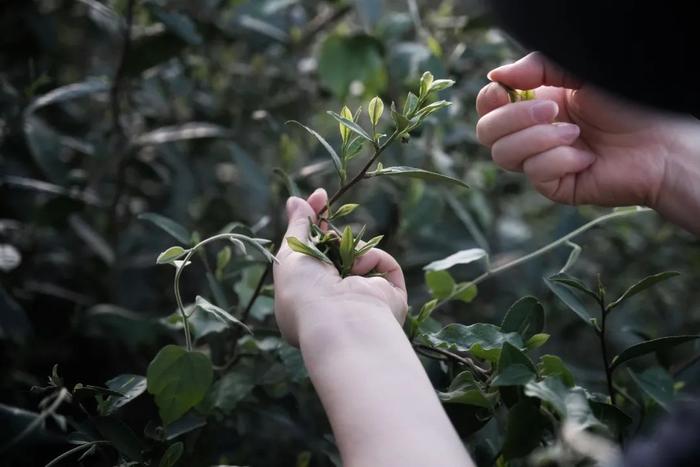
(489, 75)
(544, 112)
(567, 131)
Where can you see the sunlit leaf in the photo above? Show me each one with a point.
(297, 245)
(412, 172)
(461, 257)
(350, 125)
(170, 255)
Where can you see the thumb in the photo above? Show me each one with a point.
(532, 71)
(298, 213)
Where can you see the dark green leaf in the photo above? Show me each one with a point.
(232, 388)
(524, 429)
(643, 285)
(334, 155)
(613, 417)
(574, 283)
(570, 300)
(172, 455)
(177, 23)
(121, 436)
(179, 380)
(344, 59)
(513, 375)
(551, 365)
(526, 317)
(653, 345)
(481, 339)
(171, 227)
(657, 384)
(413, 172)
(130, 386)
(68, 92)
(465, 390)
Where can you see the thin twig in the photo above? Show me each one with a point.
(463, 360)
(361, 174)
(258, 288)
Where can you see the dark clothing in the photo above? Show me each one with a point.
(645, 51)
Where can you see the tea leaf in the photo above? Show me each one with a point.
(440, 283)
(465, 390)
(296, 245)
(426, 81)
(570, 300)
(344, 131)
(432, 108)
(551, 365)
(346, 250)
(411, 105)
(172, 455)
(171, 227)
(374, 241)
(653, 345)
(481, 339)
(334, 155)
(574, 283)
(642, 285)
(461, 257)
(526, 317)
(343, 210)
(657, 384)
(170, 255)
(352, 126)
(178, 380)
(219, 313)
(413, 172)
(375, 110)
(441, 84)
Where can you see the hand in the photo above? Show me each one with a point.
(599, 151)
(310, 294)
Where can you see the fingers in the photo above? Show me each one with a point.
(512, 150)
(556, 163)
(298, 212)
(318, 199)
(491, 97)
(532, 71)
(382, 262)
(515, 117)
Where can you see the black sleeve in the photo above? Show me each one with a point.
(645, 51)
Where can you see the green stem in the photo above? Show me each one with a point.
(178, 273)
(361, 174)
(539, 252)
(75, 450)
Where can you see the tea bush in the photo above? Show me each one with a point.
(147, 149)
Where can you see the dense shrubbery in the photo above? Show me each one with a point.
(113, 150)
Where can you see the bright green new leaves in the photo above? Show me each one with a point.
(375, 110)
(204, 306)
(413, 172)
(643, 285)
(171, 254)
(465, 390)
(461, 257)
(347, 124)
(346, 251)
(426, 81)
(653, 345)
(443, 287)
(343, 210)
(526, 317)
(178, 380)
(346, 113)
(300, 247)
(481, 340)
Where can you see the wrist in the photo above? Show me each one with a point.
(678, 196)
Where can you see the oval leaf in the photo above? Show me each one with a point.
(526, 317)
(170, 255)
(653, 345)
(178, 380)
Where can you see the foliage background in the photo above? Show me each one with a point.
(201, 99)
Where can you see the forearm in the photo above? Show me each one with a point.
(678, 198)
(380, 402)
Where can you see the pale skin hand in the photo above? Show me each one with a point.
(381, 405)
(579, 145)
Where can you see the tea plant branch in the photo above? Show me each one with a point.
(539, 252)
(180, 267)
(258, 288)
(379, 149)
(61, 396)
(76, 450)
(426, 349)
(604, 351)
